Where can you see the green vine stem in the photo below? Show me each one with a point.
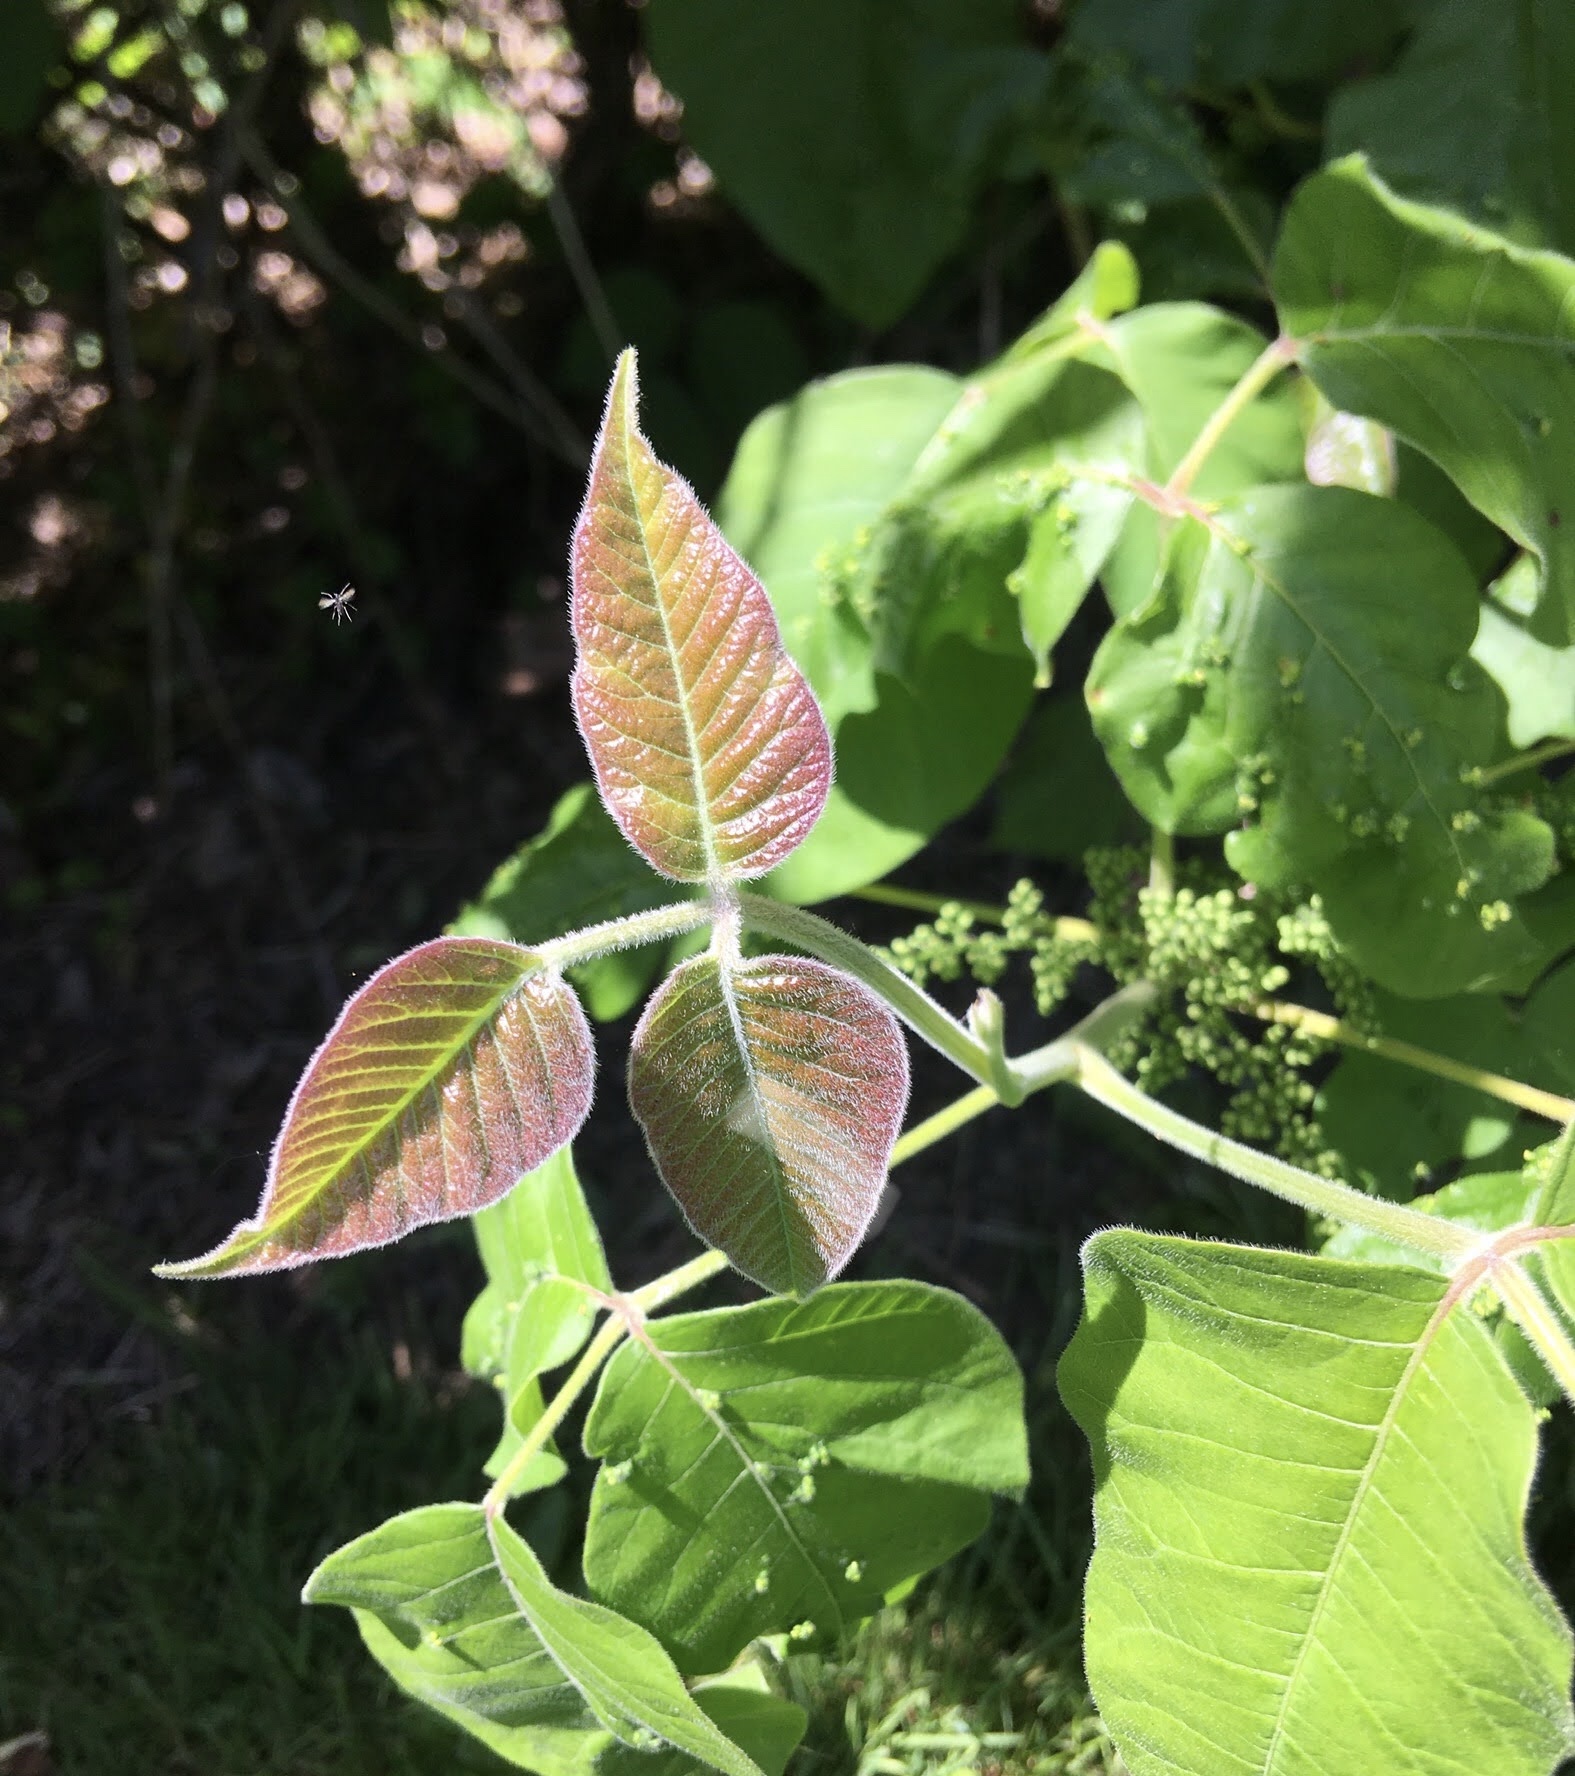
(627, 1314)
(1329, 1029)
(1526, 761)
(1524, 1303)
(1275, 357)
(625, 933)
(916, 1008)
(1322, 1196)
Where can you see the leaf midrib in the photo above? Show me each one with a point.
(1326, 1587)
(268, 1230)
(707, 831)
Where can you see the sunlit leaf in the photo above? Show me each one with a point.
(538, 1246)
(1452, 337)
(457, 1068)
(1279, 682)
(788, 1463)
(708, 746)
(1310, 1485)
(1538, 681)
(771, 1091)
(458, 1610)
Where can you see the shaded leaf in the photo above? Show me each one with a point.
(708, 747)
(460, 1613)
(1394, 1126)
(854, 139)
(578, 871)
(1306, 1471)
(457, 1068)
(790, 1463)
(1279, 676)
(537, 1245)
(1058, 797)
(1221, 44)
(1495, 77)
(770, 1092)
(1452, 337)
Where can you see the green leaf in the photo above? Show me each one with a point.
(578, 871)
(788, 1464)
(458, 1610)
(1345, 450)
(854, 139)
(709, 749)
(1453, 338)
(1392, 1124)
(1538, 681)
(1549, 1024)
(1180, 360)
(458, 1067)
(1218, 43)
(1310, 1484)
(770, 1092)
(1279, 674)
(1496, 77)
(829, 490)
(536, 1246)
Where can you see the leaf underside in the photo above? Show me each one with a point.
(708, 746)
(456, 1069)
(770, 1092)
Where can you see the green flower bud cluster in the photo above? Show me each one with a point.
(1216, 949)
(954, 945)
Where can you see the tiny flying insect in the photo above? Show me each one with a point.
(339, 603)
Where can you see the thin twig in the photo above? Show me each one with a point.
(597, 308)
(551, 427)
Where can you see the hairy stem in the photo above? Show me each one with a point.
(1525, 761)
(626, 933)
(1255, 379)
(916, 1008)
(1526, 1306)
(1405, 1226)
(627, 1315)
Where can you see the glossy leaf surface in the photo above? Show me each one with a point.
(1454, 338)
(578, 871)
(457, 1068)
(1307, 1473)
(460, 1613)
(790, 1462)
(708, 747)
(537, 1245)
(1279, 676)
(771, 1092)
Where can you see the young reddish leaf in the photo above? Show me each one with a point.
(770, 1092)
(709, 748)
(456, 1069)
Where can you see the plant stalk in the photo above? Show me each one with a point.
(1524, 1303)
(625, 933)
(1254, 380)
(1395, 1221)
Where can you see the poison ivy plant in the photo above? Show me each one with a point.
(1319, 688)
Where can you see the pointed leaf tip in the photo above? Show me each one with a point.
(770, 1092)
(708, 746)
(456, 1069)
